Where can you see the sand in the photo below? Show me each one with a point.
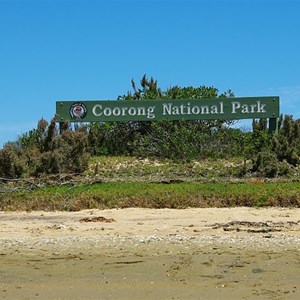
(231, 253)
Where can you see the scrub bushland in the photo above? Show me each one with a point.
(44, 151)
(50, 150)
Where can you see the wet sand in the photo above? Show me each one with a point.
(232, 253)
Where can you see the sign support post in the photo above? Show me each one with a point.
(273, 125)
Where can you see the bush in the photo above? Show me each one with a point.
(184, 141)
(71, 152)
(266, 164)
(286, 144)
(178, 140)
(44, 151)
(12, 161)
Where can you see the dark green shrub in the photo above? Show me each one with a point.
(69, 154)
(12, 161)
(266, 164)
(286, 144)
(178, 140)
(44, 151)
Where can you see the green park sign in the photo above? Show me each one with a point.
(151, 110)
(174, 109)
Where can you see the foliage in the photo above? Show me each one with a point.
(287, 143)
(275, 154)
(12, 162)
(184, 141)
(45, 151)
(155, 195)
(178, 140)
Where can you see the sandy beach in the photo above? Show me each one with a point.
(231, 253)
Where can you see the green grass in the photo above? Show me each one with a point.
(152, 195)
(118, 182)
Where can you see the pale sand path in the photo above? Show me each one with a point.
(231, 253)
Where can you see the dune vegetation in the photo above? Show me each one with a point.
(158, 164)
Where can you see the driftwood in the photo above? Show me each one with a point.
(255, 227)
(97, 219)
(11, 185)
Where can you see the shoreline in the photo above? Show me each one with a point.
(195, 253)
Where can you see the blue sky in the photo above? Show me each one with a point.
(76, 50)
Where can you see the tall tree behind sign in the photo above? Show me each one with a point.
(173, 139)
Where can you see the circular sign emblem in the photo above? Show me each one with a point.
(78, 110)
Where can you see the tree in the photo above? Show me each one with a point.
(172, 139)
